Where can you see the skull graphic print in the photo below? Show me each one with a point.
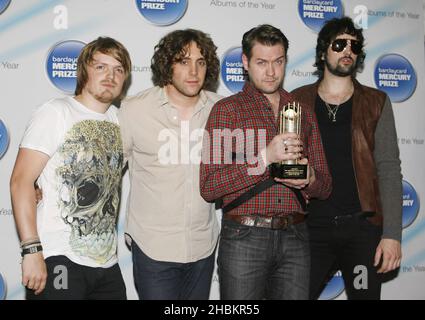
(90, 186)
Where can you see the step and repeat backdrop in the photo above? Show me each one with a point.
(41, 39)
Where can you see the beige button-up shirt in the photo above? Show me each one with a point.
(166, 215)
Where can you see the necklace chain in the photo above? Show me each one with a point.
(332, 111)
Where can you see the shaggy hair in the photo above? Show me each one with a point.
(107, 46)
(173, 47)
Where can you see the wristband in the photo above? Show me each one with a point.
(31, 250)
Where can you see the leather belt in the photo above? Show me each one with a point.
(275, 223)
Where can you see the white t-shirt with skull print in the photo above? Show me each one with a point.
(81, 182)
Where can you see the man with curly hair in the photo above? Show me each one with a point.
(173, 231)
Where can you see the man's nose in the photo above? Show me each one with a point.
(270, 69)
(347, 48)
(193, 69)
(110, 73)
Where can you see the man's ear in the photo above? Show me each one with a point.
(245, 61)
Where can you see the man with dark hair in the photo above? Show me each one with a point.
(263, 250)
(72, 147)
(358, 228)
(173, 230)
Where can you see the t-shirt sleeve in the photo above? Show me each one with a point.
(44, 130)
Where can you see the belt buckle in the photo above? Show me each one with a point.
(276, 223)
(343, 219)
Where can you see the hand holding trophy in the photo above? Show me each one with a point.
(289, 121)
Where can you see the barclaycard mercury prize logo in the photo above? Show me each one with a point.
(61, 65)
(410, 204)
(162, 12)
(334, 287)
(232, 71)
(4, 139)
(394, 75)
(3, 5)
(314, 13)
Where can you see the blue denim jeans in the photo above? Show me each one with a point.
(260, 263)
(162, 280)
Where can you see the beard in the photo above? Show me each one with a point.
(105, 97)
(341, 71)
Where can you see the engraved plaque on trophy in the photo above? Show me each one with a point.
(289, 121)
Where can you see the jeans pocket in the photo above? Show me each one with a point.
(234, 231)
(301, 231)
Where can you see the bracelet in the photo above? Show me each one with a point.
(35, 244)
(31, 250)
(29, 241)
(30, 244)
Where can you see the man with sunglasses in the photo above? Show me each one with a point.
(358, 228)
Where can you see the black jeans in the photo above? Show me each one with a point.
(67, 280)
(348, 245)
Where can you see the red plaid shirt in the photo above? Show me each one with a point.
(249, 117)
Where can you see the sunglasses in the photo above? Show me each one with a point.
(339, 45)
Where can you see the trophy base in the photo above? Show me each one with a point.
(288, 171)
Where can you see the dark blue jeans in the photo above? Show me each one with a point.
(260, 263)
(161, 280)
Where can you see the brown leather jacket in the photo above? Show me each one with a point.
(367, 106)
